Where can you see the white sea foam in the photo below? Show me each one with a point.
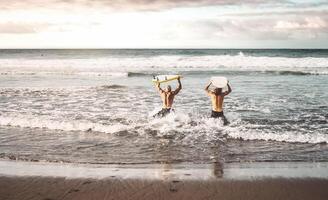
(69, 125)
(282, 136)
(174, 124)
(209, 128)
(115, 74)
(120, 66)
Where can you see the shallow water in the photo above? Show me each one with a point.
(96, 106)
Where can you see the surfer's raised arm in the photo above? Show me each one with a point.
(158, 86)
(229, 90)
(208, 91)
(176, 91)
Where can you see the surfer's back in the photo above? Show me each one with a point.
(217, 97)
(217, 101)
(167, 98)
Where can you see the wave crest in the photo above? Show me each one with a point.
(172, 126)
(39, 122)
(140, 66)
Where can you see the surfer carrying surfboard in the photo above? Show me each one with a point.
(167, 96)
(217, 98)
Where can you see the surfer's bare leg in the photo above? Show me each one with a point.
(225, 121)
(163, 112)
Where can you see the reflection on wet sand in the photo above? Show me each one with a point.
(217, 161)
(218, 169)
(170, 171)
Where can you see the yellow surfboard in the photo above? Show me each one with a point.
(165, 78)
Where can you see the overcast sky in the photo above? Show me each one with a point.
(163, 24)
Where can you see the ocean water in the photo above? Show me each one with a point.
(96, 106)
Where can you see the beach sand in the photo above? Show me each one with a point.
(52, 181)
(51, 188)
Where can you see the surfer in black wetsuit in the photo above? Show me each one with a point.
(217, 98)
(167, 97)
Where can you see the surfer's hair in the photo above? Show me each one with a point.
(168, 88)
(218, 91)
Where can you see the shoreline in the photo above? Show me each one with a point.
(52, 181)
(44, 181)
(188, 171)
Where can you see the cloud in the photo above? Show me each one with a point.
(149, 5)
(226, 22)
(294, 12)
(250, 29)
(154, 5)
(134, 5)
(307, 23)
(20, 28)
(260, 29)
(308, 27)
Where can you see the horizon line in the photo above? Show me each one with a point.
(163, 48)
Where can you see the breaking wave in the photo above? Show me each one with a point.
(69, 125)
(104, 87)
(172, 126)
(297, 73)
(137, 66)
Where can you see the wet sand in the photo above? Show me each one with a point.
(50, 188)
(44, 181)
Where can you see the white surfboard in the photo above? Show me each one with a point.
(219, 81)
(165, 78)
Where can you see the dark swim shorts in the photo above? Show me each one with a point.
(220, 115)
(163, 112)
